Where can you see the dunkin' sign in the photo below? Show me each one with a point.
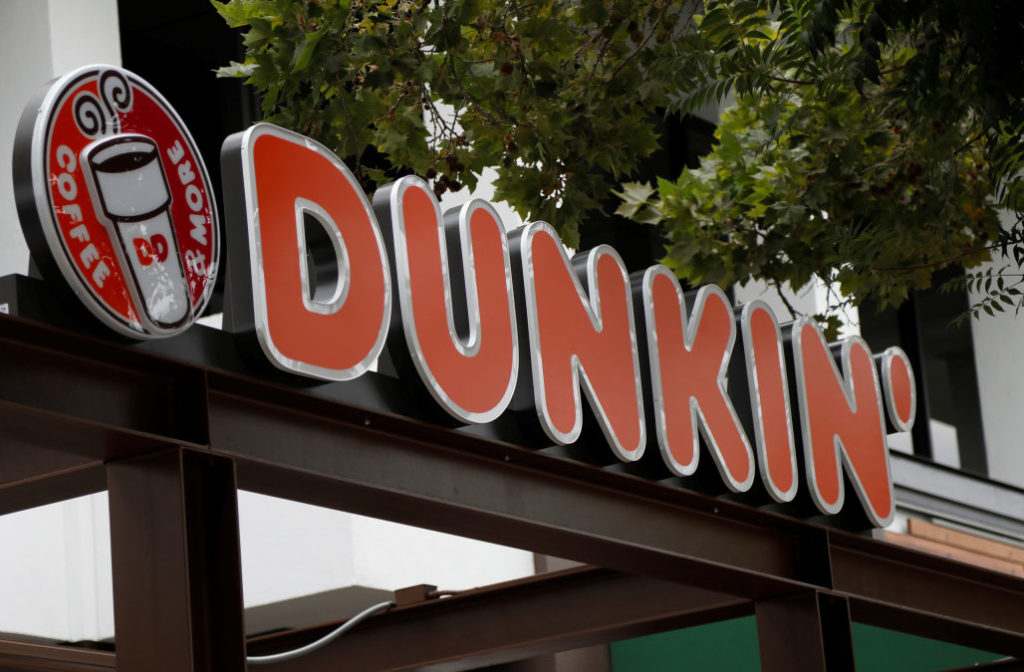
(119, 203)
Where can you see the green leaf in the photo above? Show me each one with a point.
(236, 14)
(593, 11)
(304, 54)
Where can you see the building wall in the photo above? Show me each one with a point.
(57, 583)
(997, 343)
(18, 83)
(55, 578)
(41, 40)
(291, 549)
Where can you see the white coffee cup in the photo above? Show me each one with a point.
(133, 196)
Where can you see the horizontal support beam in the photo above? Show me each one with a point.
(57, 485)
(301, 448)
(101, 381)
(927, 595)
(49, 456)
(18, 656)
(508, 622)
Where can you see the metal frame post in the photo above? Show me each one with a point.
(808, 631)
(176, 562)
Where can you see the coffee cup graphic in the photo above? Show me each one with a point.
(132, 196)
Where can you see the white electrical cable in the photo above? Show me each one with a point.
(326, 639)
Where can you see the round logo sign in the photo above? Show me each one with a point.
(114, 193)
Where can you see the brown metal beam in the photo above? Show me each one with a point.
(27, 656)
(49, 456)
(176, 565)
(321, 453)
(37, 474)
(100, 381)
(507, 622)
(927, 595)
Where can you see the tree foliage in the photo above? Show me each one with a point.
(555, 95)
(871, 143)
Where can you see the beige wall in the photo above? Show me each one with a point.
(39, 40)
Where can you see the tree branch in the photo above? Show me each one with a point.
(643, 43)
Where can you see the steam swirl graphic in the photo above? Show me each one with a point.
(116, 92)
(89, 115)
(100, 119)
